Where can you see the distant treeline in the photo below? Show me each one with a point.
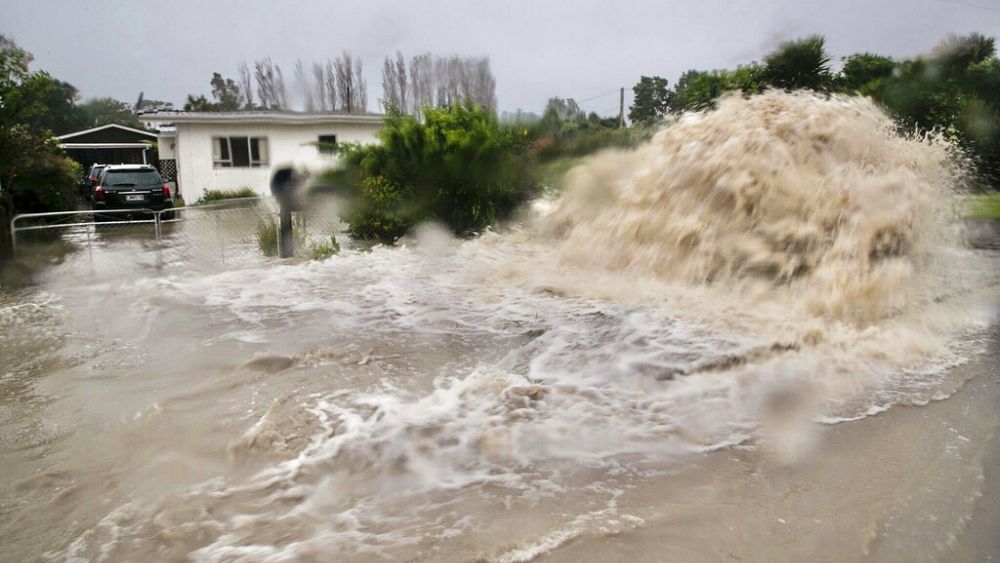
(333, 85)
(954, 90)
(339, 85)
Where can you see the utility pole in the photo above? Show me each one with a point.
(621, 109)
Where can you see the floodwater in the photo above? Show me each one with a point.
(789, 358)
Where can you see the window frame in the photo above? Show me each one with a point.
(222, 162)
(226, 142)
(327, 148)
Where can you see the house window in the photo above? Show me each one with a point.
(239, 152)
(327, 144)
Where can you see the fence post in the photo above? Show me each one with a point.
(286, 243)
(218, 235)
(156, 226)
(90, 247)
(285, 184)
(13, 237)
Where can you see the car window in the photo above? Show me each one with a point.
(131, 177)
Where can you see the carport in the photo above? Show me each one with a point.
(110, 144)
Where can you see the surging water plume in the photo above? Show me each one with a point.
(817, 195)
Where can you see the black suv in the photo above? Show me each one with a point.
(130, 186)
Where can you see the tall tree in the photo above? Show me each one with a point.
(863, 68)
(246, 85)
(402, 82)
(199, 103)
(352, 93)
(270, 85)
(957, 53)
(421, 83)
(651, 102)
(102, 111)
(330, 86)
(360, 89)
(561, 117)
(62, 114)
(390, 85)
(227, 93)
(303, 88)
(803, 63)
(484, 85)
(34, 174)
(319, 88)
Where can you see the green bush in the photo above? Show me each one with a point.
(380, 211)
(698, 90)
(219, 195)
(49, 185)
(459, 167)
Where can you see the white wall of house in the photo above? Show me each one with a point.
(287, 143)
(166, 146)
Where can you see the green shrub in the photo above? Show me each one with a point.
(218, 195)
(458, 167)
(380, 211)
(49, 185)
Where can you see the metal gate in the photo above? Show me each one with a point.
(219, 234)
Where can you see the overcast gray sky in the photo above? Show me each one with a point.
(538, 49)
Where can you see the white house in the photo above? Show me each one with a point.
(232, 150)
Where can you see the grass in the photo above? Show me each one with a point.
(551, 173)
(323, 250)
(267, 236)
(986, 206)
(218, 195)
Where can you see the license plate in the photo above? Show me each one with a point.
(138, 197)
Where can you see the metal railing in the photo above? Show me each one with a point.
(156, 217)
(128, 213)
(226, 232)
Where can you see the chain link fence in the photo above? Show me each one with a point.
(222, 235)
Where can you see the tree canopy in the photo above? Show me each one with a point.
(652, 100)
(955, 89)
(34, 174)
(803, 63)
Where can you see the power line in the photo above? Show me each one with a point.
(615, 91)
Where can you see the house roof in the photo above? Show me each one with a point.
(74, 134)
(288, 117)
(142, 146)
